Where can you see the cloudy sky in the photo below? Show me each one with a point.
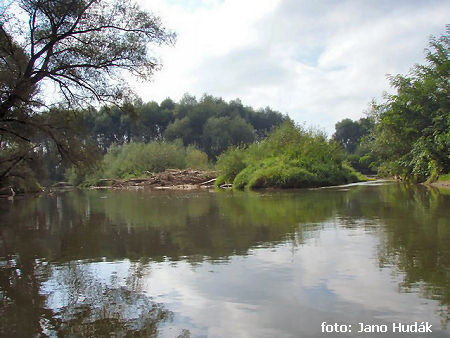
(318, 61)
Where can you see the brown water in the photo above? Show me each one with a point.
(204, 264)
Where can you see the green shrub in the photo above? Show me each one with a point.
(281, 174)
(230, 163)
(84, 176)
(241, 180)
(196, 159)
(291, 157)
(73, 176)
(138, 159)
(445, 177)
(219, 181)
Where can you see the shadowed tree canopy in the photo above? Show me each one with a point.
(81, 48)
(349, 132)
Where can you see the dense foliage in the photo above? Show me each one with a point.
(354, 137)
(349, 133)
(291, 157)
(412, 134)
(407, 135)
(211, 124)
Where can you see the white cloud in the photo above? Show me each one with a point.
(318, 61)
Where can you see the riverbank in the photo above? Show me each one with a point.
(441, 184)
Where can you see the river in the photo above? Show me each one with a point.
(226, 264)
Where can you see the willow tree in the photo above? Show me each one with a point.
(66, 54)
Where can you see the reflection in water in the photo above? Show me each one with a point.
(69, 300)
(167, 264)
(90, 307)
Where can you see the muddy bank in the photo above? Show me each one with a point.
(441, 184)
(174, 179)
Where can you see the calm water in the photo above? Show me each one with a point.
(203, 264)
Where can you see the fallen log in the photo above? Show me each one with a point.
(208, 182)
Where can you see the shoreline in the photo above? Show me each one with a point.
(440, 184)
(186, 180)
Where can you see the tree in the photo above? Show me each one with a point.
(412, 134)
(153, 121)
(221, 132)
(83, 48)
(180, 129)
(354, 136)
(348, 133)
(264, 120)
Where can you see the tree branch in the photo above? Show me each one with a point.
(15, 134)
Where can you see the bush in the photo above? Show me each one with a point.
(138, 159)
(279, 173)
(196, 159)
(291, 157)
(230, 163)
(84, 176)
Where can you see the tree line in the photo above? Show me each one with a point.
(210, 123)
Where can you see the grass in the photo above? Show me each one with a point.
(445, 177)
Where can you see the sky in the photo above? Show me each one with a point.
(317, 61)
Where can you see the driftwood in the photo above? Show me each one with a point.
(208, 182)
(169, 179)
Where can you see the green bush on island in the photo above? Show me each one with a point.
(291, 157)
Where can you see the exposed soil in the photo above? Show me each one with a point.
(441, 184)
(174, 179)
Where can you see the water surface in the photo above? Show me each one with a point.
(205, 264)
